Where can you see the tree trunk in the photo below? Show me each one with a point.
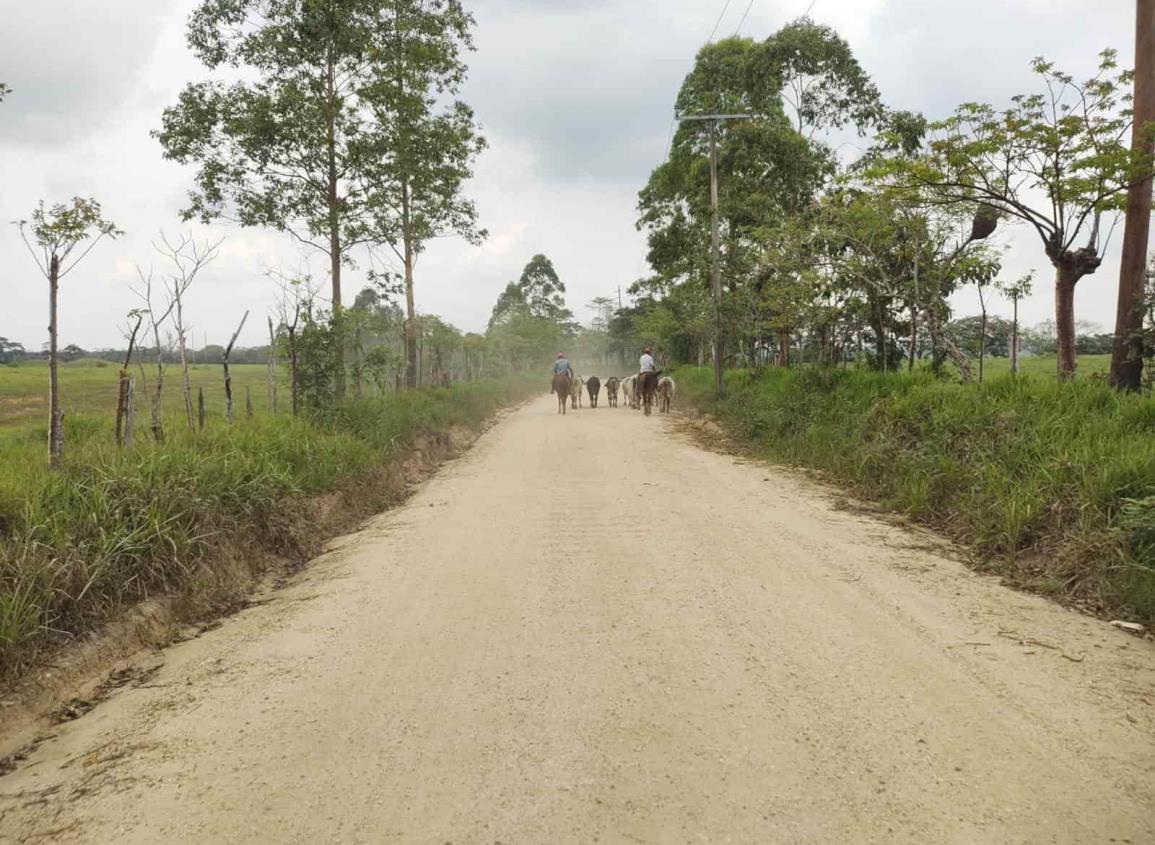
(940, 340)
(358, 362)
(186, 386)
(410, 306)
(876, 323)
(1015, 336)
(200, 408)
(157, 415)
(784, 348)
(271, 375)
(125, 386)
(225, 364)
(982, 343)
(129, 411)
(1127, 354)
(294, 379)
(334, 209)
(1065, 279)
(913, 335)
(55, 417)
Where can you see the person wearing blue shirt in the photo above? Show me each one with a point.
(562, 365)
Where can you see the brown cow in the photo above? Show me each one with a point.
(594, 386)
(612, 390)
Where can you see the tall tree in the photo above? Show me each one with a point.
(1127, 354)
(58, 233)
(539, 294)
(1058, 161)
(820, 80)
(296, 144)
(428, 139)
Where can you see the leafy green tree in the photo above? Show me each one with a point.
(288, 146)
(539, 293)
(53, 237)
(510, 303)
(4, 91)
(1057, 160)
(979, 336)
(427, 139)
(822, 82)
(10, 351)
(770, 169)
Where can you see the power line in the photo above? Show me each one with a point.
(718, 22)
(739, 26)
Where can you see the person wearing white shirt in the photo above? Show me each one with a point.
(646, 362)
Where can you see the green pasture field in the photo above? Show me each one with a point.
(88, 388)
(1043, 365)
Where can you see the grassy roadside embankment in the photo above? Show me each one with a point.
(1052, 485)
(201, 514)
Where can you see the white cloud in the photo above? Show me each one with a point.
(575, 98)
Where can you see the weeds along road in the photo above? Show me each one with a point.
(589, 629)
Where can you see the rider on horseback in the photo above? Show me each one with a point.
(562, 365)
(646, 362)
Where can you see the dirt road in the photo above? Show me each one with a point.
(590, 630)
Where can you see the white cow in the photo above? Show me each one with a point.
(575, 391)
(666, 390)
(630, 389)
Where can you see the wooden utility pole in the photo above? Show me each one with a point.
(1127, 355)
(715, 247)
(715, 260)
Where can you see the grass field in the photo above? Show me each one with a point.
(88, 388)
(1043, 365)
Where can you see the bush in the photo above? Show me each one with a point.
(1051, 483)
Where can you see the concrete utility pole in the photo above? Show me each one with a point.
(715, 247)
(1127, 354)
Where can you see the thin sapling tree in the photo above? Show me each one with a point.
(187, 257)
(1015, 291)
(59, 238)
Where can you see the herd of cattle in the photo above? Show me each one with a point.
(628, 387)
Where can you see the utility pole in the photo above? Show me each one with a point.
(715, 248)
(1127, 354)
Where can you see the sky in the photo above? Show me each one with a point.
(574, 96)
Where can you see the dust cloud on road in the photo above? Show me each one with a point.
(589, 629)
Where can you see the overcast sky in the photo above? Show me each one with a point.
(575, 98)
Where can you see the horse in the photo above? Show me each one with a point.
(666, 390)
(575, 392)
(612, 390)
(647, 387)
(561, 386)
(594, 386)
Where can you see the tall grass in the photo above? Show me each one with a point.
(1051, 484)
(116, 527)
